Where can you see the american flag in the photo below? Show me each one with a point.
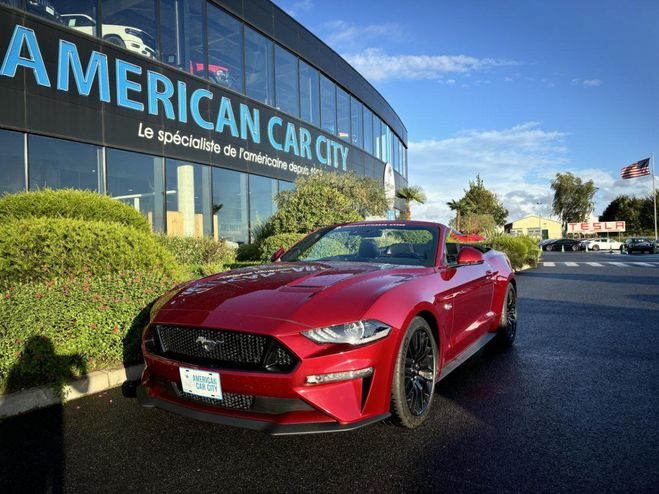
(637, 169)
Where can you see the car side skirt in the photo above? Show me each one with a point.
(460, 359)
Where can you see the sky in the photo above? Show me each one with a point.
(515, 91)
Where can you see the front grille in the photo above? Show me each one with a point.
(221, 349)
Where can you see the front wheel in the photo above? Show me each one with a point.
(414, 376)
(596, 248)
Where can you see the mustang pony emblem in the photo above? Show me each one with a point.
(208, 345)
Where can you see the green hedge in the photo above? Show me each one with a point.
(69, 203)
(198, 250)
(273, 243)
(248, 252)
(53, 330)
(521, 251)
(36, 249)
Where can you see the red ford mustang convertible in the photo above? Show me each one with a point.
(356, 323)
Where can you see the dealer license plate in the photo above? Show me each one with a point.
(201, 383)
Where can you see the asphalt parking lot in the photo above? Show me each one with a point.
(573, 407)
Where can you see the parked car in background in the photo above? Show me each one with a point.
(600, 244)
(566, 244)
(638, 244)
(131, 38)
(544, 244)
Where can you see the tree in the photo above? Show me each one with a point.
(573, 198)
(636, 212)
(481, 224)
(411, 193)
(479, 200)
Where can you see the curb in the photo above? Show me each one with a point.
(43, 396)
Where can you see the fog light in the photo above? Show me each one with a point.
(340, 376)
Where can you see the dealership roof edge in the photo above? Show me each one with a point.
(274, 22)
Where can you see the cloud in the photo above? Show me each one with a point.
(517, 163)
(343, 36)
(298, 7)
(587, 82)
(377, 65)
(512, 162)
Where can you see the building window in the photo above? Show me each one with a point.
(230, 220)
(286, 81)
(327, 105)
(262, 192)
(137, 180)
(131, 24)
(12, 164)
(225, 49)
(283, 185)
(343, 114)
(356, 122)
(188, 199)
(384, 142)
(309, 94)
(59, 164)
(182, 35)
(368, 131)
(394, 155)
(377, 136)
(259, 67)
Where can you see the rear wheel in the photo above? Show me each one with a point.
(508, 322)
(115, 40)
(414, 377)
(596, 247)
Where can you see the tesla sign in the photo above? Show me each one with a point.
(596, 227)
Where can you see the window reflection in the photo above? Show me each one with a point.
(130, 24)
(377, 136)
(259, 67)
(58, 164)
(309, 94)
(181, 35)
(368, 131)
(225, 49)
(286, 81)
(328, 105)
(356, 122)
(188, 199)
(230, 220)
(137, 180)
(343, 114)
(12, 166)
(283, 185)
(262, 192)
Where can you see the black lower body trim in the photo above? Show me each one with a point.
(258, 425)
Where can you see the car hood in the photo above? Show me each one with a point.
(307, 294)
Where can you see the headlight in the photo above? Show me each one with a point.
(133, 32)
(352, 333)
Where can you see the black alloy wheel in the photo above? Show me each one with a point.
(414, 377)
(508, 323)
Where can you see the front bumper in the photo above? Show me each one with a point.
(283, 403)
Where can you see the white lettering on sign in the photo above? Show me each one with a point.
(596, 227)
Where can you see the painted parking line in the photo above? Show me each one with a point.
(549, 264)
(648, 264)
(621, 264)
(602, 264)
(572, 264)
(596, 264)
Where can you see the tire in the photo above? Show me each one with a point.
(595, 248)
(575, 248)
(508, 323)
(411, 392)
(115, 40)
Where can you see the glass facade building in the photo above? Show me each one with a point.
(194, 112)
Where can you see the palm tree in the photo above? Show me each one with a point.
(460, 208)
(411, 193)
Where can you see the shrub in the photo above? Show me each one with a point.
(517, 249)
(198, 250)
(69, 203)
(37, 249)
(53, 330)
(272, 244)
(248, 252)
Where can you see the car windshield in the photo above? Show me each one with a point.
(404, 244)
(639, 240)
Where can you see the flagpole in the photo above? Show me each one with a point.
(654, 199)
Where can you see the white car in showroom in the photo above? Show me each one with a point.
(131, 38)
(603, 244)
